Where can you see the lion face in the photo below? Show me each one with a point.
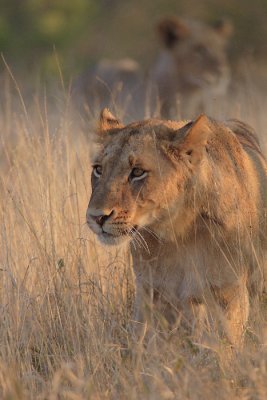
(197, 50)
(138, 180)
(193, 61)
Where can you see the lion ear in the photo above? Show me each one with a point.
(108, 121)
(195, 140)
(172, 30)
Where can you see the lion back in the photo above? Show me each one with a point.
(250, 143)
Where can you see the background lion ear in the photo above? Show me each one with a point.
(196, 139)
(108, 121)
(172, 30)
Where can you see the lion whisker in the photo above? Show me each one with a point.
(152, 233)
(139, 238)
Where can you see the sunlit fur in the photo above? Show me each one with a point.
(196, 222)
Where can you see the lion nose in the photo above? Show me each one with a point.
(101, 219)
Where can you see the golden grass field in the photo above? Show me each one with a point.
(66, 301)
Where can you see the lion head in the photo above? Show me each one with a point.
(140, 176)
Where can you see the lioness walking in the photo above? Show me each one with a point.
(190, 198)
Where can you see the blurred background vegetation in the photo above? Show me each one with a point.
(80, 32)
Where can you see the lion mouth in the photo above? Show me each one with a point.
(107, 234)
(112, 239)
(124, 232)
(115, 239)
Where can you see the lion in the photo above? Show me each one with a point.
(114, 82)
(192, 68)
(189, 198)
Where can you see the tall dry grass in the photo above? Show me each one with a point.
(66, 301)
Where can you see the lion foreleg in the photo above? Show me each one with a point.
(234, 302)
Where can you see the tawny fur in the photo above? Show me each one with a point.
(195, 222)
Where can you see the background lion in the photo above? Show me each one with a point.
(114, 82)
(190, 198)
(192, 68)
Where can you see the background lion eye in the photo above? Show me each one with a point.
(97, 170)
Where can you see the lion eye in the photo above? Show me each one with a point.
(137, 174)
(97, 169)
